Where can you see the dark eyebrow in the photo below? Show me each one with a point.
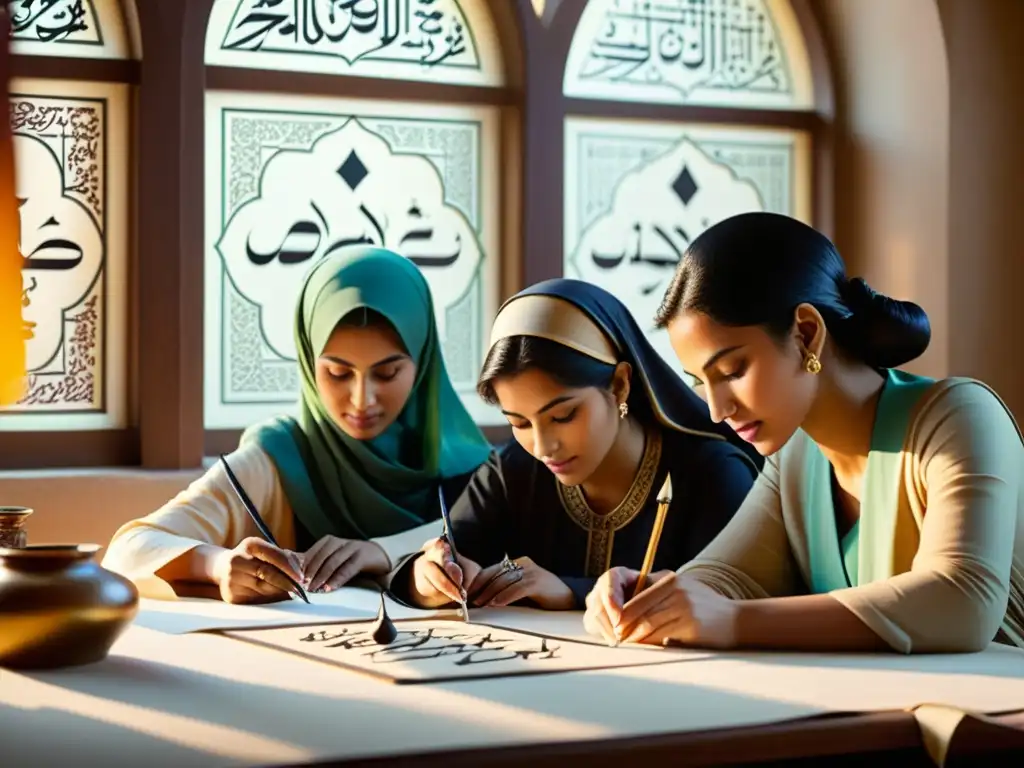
(548, 407)
(716, 357)
(392, 359)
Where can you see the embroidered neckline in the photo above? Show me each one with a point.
(601, 528)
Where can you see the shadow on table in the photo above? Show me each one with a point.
(46, 737)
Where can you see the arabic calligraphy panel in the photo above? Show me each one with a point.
(91, 29)
(291, 178)
(450, 41)
(735, 53)
(73, 196)
(636, 195)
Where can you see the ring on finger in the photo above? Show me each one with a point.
(510, 566)
(508, 577)
(259, 573)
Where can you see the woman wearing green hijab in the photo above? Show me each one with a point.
(345, 485)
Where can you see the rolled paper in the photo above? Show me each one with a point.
(12, 325)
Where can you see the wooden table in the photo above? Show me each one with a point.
(207, 700)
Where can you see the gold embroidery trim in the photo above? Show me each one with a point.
(601, 528)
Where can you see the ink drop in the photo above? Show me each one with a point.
(384, 632)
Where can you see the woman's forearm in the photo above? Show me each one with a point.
(199, 564)
(804, 623)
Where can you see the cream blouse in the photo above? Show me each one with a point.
(954, 572)
(209, 512)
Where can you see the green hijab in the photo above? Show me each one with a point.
(340, 486)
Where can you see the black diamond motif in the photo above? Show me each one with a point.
(684, 186)
(352, 171)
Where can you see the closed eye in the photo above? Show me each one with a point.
(737, 374)
(565, 419)
(388, 375)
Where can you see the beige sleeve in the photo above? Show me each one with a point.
(751, 557)
(954, 596)
(207, 512)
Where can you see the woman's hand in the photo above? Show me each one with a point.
(502, 585)
(254, 572)
(676, 609)
(437, 579)
(332, 562)
(605, 601)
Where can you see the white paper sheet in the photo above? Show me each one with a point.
(434, 651)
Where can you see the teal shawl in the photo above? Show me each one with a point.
(337, 485)
(865, 554)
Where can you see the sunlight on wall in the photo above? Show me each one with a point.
(12, 334)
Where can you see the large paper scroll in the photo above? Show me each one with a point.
(434, 650)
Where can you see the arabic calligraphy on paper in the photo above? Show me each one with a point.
(430, 33)
(54, 21)
(347, 189)
(632, 250)
(435, 650)
(686, 45)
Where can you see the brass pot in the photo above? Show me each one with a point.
(12, 520)
(58, 607)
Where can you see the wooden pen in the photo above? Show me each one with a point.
(664, 500)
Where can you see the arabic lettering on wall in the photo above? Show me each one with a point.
(347, 189)
(53, 21)
(426, 32)
(688, 44)
(61, 248)
(657, 210)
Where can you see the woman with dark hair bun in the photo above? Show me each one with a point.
(599, 420)
(890, 513)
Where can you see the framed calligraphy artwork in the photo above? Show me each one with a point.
(89, 29)
(636, 195)
(292, 178)
(437, 651)
(736, 53)
(72, 189)
(449, 41)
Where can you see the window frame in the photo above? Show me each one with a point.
(167, 246)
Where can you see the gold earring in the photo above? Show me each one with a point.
(623, 410)
(812, 364)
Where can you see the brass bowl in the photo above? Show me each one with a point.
(58, 607)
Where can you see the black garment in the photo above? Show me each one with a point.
(514, 505)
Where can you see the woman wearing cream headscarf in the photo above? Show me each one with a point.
(379, 428)
(599, 421)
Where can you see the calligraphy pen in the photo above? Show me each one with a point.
(447, 535)
(263, 529)
(664, 499)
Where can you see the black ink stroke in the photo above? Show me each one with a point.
(463, 648)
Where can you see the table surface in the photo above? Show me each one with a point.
(203, 699)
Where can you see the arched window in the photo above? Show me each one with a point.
(347, 123)
(678, 114)
(73, 63)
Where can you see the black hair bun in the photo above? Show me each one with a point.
(882, 332)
